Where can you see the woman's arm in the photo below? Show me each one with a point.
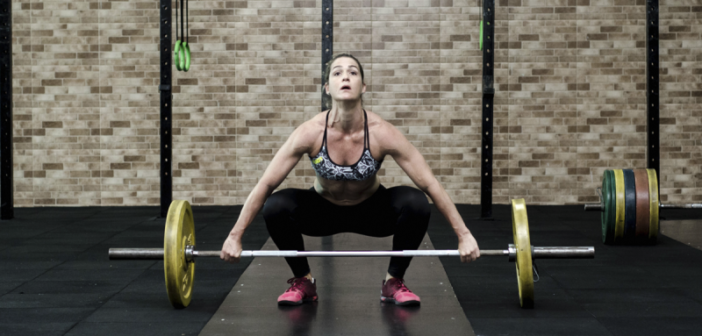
(299, 143)
(412, 162)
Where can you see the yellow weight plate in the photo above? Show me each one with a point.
(180, 232)
(619, 212)
(653, 198)
(525, 272)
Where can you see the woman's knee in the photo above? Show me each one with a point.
(279, 203)
(414, 201)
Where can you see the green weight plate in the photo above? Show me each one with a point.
(179, 233)
(522, 242)
(605, 207)
(608, 218)
(612, 204)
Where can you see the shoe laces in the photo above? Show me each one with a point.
(400, 285)
(296, 284)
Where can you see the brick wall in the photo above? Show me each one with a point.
(570, 101)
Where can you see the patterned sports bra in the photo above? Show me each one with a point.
(366, 166)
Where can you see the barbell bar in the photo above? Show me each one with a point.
(629, 202)
(599, 207)
(565, 252)
(179, 253)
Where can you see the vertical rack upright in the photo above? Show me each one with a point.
(486, 148)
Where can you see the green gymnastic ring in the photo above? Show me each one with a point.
(186, 47)
(481, 35)
(176, 55)
(181, 58)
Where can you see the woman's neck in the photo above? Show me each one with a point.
(348, 117)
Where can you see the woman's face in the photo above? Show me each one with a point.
(345, 82)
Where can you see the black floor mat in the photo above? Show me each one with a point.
(56, 279)
(625, 290)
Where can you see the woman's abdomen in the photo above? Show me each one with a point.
(346, 192)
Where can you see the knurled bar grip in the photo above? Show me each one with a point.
(538, 253)
(681, 206)
(405, 253)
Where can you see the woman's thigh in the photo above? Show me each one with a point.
(383, 214)
(377, 216)
(307, 212)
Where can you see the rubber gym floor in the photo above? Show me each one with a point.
(56, 279)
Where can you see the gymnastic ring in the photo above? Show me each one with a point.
(176, 55)
(186, 51)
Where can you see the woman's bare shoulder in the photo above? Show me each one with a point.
(384, 132)
(376, 121)
(316, 123)
(310, 131)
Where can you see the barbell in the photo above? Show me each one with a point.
(629, 201)
(179, 253)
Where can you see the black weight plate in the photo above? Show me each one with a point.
(630, 205)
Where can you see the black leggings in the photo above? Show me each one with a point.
(399, 211)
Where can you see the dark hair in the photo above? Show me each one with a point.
(326, 99)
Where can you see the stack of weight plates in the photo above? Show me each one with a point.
(630, 206)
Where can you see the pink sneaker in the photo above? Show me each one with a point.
(395, 291)
(302, 290)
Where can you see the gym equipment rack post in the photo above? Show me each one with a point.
(488, 98)
(652, 89)
(166, 108)
(327, 37)
(6, 176)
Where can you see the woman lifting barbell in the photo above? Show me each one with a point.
(347, 195)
